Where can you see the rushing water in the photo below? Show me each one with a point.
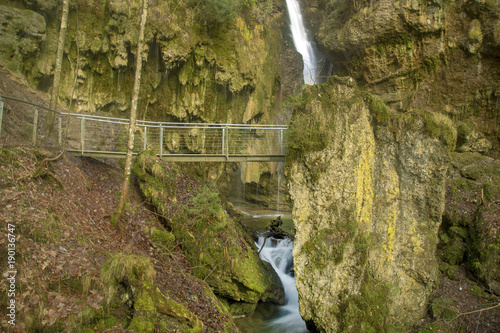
(302, 43)
(270, 318)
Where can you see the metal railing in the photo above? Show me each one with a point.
(93, 135)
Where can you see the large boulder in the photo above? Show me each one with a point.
(368, 192)
(220, 252)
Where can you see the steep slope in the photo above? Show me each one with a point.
(74, 271)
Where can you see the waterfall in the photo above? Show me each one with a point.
(279, 174)
(278, 252)
(302, 43)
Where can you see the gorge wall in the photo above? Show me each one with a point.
(369, 159)
(368, 190)
(434, 55)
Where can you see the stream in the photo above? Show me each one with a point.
(271, 318)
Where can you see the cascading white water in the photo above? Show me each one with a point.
(302, 43)
(278, 252)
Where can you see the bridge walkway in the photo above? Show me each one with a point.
(102, 136)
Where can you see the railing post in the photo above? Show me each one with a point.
(35, 127)
(1, 114)
(161, 140)
(281, 142)
(145, 138)
(82, 135)
(223, 139)
(227, 143)
(60, 131)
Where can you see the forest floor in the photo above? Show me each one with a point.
(59, 212)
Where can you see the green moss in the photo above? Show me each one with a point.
(379, 110)
(305, 134)
(139, 273)
(206, 208)
(459, 232)
(453, 253)
(162, 237)
(328, 244)
(126, 266)
(475, 30)
(367, 311)
(144, 309)
(451, 271)
(478, 291)
(441, 127)
(441, 308)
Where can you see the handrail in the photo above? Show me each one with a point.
(212, 142)
(27, 102)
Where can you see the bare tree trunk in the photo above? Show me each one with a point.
(133, 115)
(49, 125)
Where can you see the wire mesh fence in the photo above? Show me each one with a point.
(93, 135)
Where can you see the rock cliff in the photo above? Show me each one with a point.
(368, 189)
(425, 70)
(440, 56)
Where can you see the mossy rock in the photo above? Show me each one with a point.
(379, 109)
(369, 310)
(163, 238)
(147, 301)
(441, 308)
(441, 127)
(454, 252)
(451, 271)
(214, 244)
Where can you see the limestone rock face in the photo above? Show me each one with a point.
(192, 71)
(368, 192)
(431, 55)
(21, 36)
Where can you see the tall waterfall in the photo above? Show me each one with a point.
(302, 43)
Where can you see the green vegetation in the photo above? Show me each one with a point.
(217, 248)
(441, 308)
(140, 293)
(451, 271)
(379, 110)
(219, 11)
(164, 238)
(305, 135)
(367, 311)
(442, 127)
(206, 208)
(328, 244)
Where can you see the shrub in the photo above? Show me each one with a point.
(219, 11)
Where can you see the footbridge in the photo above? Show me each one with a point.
(101, 136)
